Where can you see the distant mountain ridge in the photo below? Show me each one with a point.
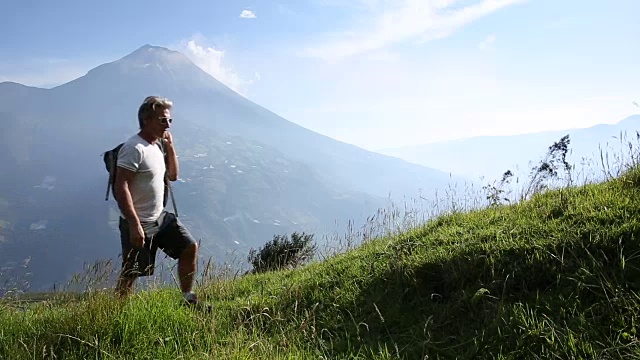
(490, 156)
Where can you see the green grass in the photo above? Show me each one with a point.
(556, 276)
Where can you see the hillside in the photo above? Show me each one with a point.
(555, 276)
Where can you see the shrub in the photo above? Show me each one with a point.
(282, 252)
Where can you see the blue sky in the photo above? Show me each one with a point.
(374, 73)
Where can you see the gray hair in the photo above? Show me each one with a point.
(150, 105)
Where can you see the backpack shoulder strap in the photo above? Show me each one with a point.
(110, 158)
(167, 182)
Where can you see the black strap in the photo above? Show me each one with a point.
(111, 175)
(167, 182)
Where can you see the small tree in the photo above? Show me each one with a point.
(282, 252)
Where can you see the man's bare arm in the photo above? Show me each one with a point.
(172, 159)
(125, 177)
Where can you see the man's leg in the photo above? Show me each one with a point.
(135, 262)
(124, 287)
(129, 272)
(176, 241)
(187, 267)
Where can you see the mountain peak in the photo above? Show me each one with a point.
(148, 48)
(151, 69)
(147, 54)
(151, 59)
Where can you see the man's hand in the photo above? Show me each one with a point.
(136, 235)
(167, 137)
(172, 159)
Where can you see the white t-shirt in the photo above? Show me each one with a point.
(147, 188)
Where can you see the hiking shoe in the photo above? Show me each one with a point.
(195, 303)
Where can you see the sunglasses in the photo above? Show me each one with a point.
(165, 120)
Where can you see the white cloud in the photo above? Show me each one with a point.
(248, 14)
(487, 42)
(211, 60)
(406, 20)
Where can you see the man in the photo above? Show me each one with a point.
(139, 190)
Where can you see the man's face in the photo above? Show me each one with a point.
(159, 122)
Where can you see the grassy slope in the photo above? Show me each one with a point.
(557, 275)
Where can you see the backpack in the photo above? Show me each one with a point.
(110, 158)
